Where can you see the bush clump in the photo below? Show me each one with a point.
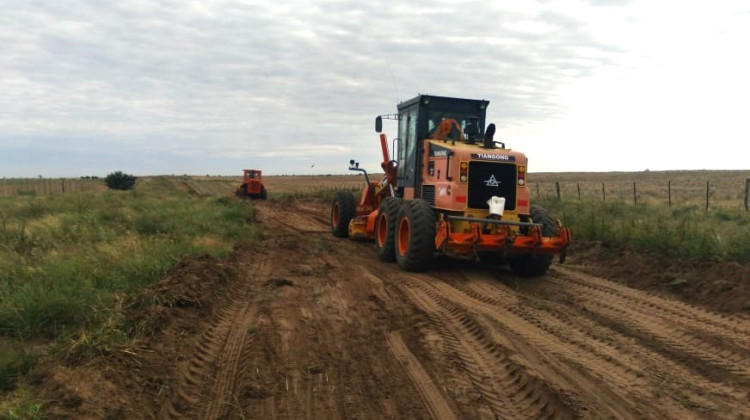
(120, 181)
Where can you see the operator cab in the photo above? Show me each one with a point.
(419, 118)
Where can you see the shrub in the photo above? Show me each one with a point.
(120, 181)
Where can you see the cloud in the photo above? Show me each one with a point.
(187, 84)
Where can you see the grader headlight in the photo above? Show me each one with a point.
(463, 173)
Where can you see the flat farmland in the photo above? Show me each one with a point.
(726, 188)
(42, 186)
(688, 188)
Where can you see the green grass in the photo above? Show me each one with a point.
(21, 405)
(66, 261)
(15, 361)
(686, 231)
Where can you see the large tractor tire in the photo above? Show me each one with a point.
(415, 236)
(385, 229)
(263, 193)
(241, 191)
(342, 212)
(535, 265)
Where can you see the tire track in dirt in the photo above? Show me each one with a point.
(557, 327)
(431, 395)
(326, 353)
(586, 379)
(678, 342)
(726, 351)
(223, 397)
(507, 388)
(303, 222)
(207, 382)
(687, 390)
(453, 378)
(572, 353)
(736, 330)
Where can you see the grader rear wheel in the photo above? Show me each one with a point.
(385, 229)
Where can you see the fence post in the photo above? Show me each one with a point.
(604, 194)
(747, 194)
(669, 192)
(707, 191)
(635, 200)
(578, 185)
(557, 188)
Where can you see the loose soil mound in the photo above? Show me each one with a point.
(125, 382)
(722, 286)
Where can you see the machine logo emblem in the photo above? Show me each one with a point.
(492, 182)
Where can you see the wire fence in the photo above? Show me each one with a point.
(45, 186)
(670, 193)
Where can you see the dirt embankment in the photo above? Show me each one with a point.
(304, 325)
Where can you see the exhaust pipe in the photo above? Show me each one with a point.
(489, 142)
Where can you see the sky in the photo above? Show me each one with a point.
(293, 87)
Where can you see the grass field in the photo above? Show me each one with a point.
(686, 231)
(686, 228)
(68, 260)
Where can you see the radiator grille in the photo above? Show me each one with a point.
(491, 178)
(428, 194)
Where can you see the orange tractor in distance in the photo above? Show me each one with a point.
(252, 185)
(451, 189)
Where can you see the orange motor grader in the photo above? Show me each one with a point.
(451, 189)
(252, 185)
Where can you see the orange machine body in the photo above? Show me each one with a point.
(252, 184)
(449, 168)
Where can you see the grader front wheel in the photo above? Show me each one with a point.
(415, 236)
(342, 212)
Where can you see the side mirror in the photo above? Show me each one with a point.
(472, 126)
(471, 130)
(378, 124)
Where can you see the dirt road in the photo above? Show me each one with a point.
(309, 326)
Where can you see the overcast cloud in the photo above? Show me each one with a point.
(176, 86)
